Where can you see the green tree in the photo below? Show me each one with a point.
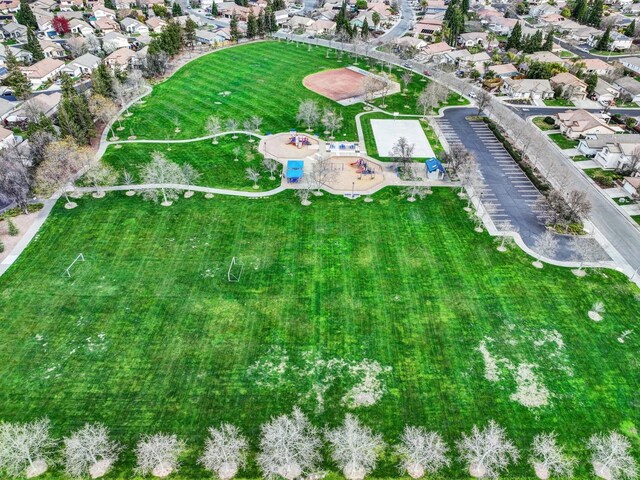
(252, 25)
(176, 9)
(579, 10)
(595, 13)
(33, 45)
(464, 7)
(110, 4)
(566, 12)
(74, 117)
(604, 40)
(171, 40)
(16, 79)
(279, 5)
(261, 24)
(25, 16)
(548, 42)
(42, 124)
(160, 10)
(515, 38)
(190, 32)
(364, 32)
(591, 81)
(102, 81)
(233, 26)
(375, 17)
(630, 30)
(545, 70)
(214, 9)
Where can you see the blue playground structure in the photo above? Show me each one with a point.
(434, 168)
(294, 170)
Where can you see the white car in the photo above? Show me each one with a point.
(472, 95)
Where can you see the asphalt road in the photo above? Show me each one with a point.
(528, 111)
(507, 191)
(186, 7)
(407, 19)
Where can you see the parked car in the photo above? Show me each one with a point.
(426, 73)
(472, 95)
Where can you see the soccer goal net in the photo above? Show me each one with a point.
(79, 258)
(235, 270)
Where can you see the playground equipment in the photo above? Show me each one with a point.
(295, 170)
(299, 140)
(362, 167)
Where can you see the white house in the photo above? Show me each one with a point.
(597, 66)
(133, 26)
(52, 49)
(631, 63)
(631, 185)
(580, 123)
(534, 89)
(628, 87)
(100, 11)
(121, 58)
(619, 151)
(43, 71)
(7, 138)
(605, 93)
(617, 41)
(80, 27)
(84, 64)
(113, 41)
(20, 54)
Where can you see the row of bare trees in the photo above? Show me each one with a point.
(290, 448)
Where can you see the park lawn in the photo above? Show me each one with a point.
(562, 141)
(370, 142)
(558, 102)
(216, 163)
(263, 79)
(542, 125)
(148, 335)
(636, 218)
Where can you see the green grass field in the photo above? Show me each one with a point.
(148, 335)
(562, 141)
(263, 79)
(216, 163)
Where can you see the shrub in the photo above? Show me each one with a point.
(549, 121)
(603, 180)
(13, 229)
(1, 246)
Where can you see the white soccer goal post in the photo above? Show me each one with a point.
(235, 270)
(79, 258)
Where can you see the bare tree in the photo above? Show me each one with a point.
(254, 176)
(26, 449)
(308, 113)
(385, 83)
(354, 448)
(406, 78)
(331, 121)
(232, 126)
(487, 452)
(457, 157)
(505, 226)
(322, 173)
(545, 245)
(371, 85)
(548, 458)
(289, 446)
(158, 454)
(16, 179)
(214, 128)
(103, 109)
(77, 46)
(611, 457)
(402, 152)
(272, 167)
(483, 100)
(421, 452)
(161, 172)
(99, 175)
(191, 176)
(62, 159)
(90, 451)
(413, 192)
(431, 97)
(256, 123)
(578, 206)
(225, 451)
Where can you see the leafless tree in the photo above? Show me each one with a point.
(331, 121)
(38, 142)
(354, 448)
(254, 176)
(256, 123)
(548, 458)
(90, 451)
(385, 83)
(487, 452)
(289, 446)
(407, 77)
(421, 452)
(93, 44)
(272, 167)
(225, 451)
(77, 46)
(232, 126)
(26, 449)
(483, 100)
(611, 457)
(158, 454)
(16, 178)
(213, 127)
(322, 173)
(545, 245)
(371, 85)
(578, 206)
(504, 226)
(161, 172)
(103, 109)
(308, 113)
(99, 175)
(191, 176)
(402, 152)
(62, 159)
(431, 97)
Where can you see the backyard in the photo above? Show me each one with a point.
(149, 335)
(562, 141)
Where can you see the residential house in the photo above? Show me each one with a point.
(14, 31)
(501, 25)
(133, 26)
(46, 103)
(106, 25)
(80, 27)
(506, 70)
(631, 63)
(9, 6)
(580, 123)
(70, 5)
(47, 5)
(148, 4)
(629, 88)
(322, 27)
(633, 9)
(21, 55)
(282, 16)
(583, 34)
(359, 20)
(605, 93)
(476, 39)
(100, 11)
(121, 58)
(44, 20)
(617, 42)
(124, 4)
(410, 42)
(156, 24)
(597, 66)
(43, 71)
(206, 37)
(570, 86)
(534, 89)
(298, 22)
(631, 185)
(437, 50)
(114, 41)
(619, 151)
(52, 49)
(545, 57)
(83, 65)
(434, 7)
(7, 138)
(542, 10)
(427, 27)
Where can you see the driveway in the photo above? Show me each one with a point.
(507, 186)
